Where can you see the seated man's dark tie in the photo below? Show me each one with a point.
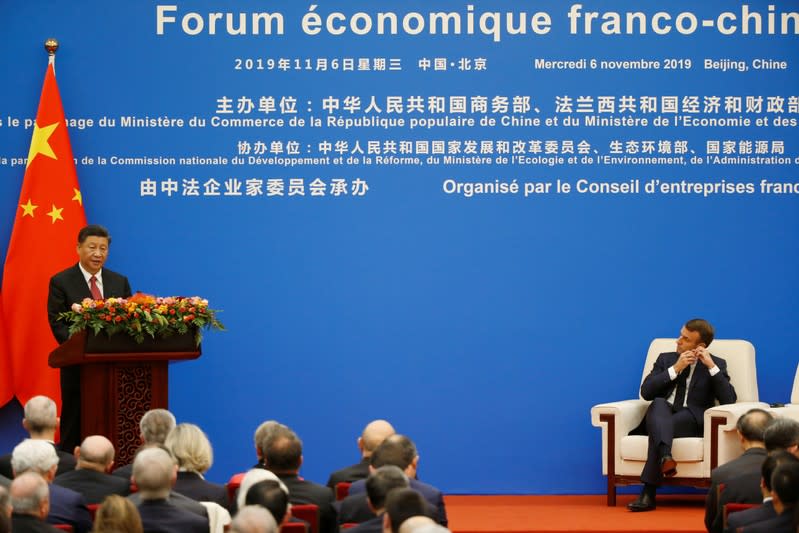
(679, 396)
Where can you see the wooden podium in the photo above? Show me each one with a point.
(120, 380)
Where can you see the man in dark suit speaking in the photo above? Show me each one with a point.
(87, 279)
(681, 386)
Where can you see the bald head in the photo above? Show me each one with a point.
(373, 435)
(40, 417)
(95, 453)
(30, 495)
(154, 472)
(421, 524)
(253, 519)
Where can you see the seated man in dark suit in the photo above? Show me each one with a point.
(40, 421)
(681, 386)
(91, 478)
(785, 496)
(765, 511)
(284, 458)
(399, 451)
(66, 506)
(379, 485)
(154, 472)
(154, 426)
(751, 427)
(373, 435)
(30, 500)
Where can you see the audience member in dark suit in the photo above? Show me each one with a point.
(154, 473)
(192, 451)
(783, 434)
(681, 386)
(785, 496)
(253, 519)
(91, 478)
(154, 426)
(284, 458)
(40, 421)
(399, 451)
(86, 279)
(373, 434)
(66, 506)
(31, 503)
(765, 511)
(750, 428)
(401, 505)
(379, 485)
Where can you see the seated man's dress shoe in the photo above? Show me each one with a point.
(644, 502)
(668, 466)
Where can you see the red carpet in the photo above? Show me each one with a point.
(542, 514)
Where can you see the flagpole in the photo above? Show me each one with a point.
(51, 45)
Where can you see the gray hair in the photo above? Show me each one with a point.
(28, 491)
(152, 472)
(253, 519)
(155, 425)
(266, 433)
(33, 454)
(190, 447)
(40, 414)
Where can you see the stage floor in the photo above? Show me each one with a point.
(539, 514)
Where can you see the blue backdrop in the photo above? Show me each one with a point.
(485, 326)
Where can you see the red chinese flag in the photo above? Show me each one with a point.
(43, 242)
(6, 381)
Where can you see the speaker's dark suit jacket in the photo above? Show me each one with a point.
(749, 462)
(68, 287)
(93, 485)
(25, 523)
(662, 423)
(66, 463)
(162, 516)
(429, 492)
(761, 513)
(68, 507)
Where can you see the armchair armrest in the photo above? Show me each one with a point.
(628, 414)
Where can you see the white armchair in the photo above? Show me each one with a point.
(790, 410)
(623, 455)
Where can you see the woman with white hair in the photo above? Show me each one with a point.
(192, 451)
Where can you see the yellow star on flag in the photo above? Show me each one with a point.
(28, 208)
(40, 142)
(55, 213)
(78, 196)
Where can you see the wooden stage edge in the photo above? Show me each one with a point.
(545, 514)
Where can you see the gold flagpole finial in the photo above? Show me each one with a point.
(51, 45)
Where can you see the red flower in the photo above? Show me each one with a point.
(118, 318)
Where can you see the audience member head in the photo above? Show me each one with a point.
(381, 482)
(373, 435)
(154, 472)
(40, 419)
(30, 495)
(402, 504)
(421, 524)
(117, 515)
(752, 425)
(269, 494)
(253, 519)
(396, 450)
(284, 453)
(703, 327)
(252, 477)
(264, 435)
(770, 463)
(5, 510)
(783, 434)
(785, 486)
(33, 455)
(190, 448)
(155, 425)
(95, 453)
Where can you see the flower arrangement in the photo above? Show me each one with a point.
(141, 315)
